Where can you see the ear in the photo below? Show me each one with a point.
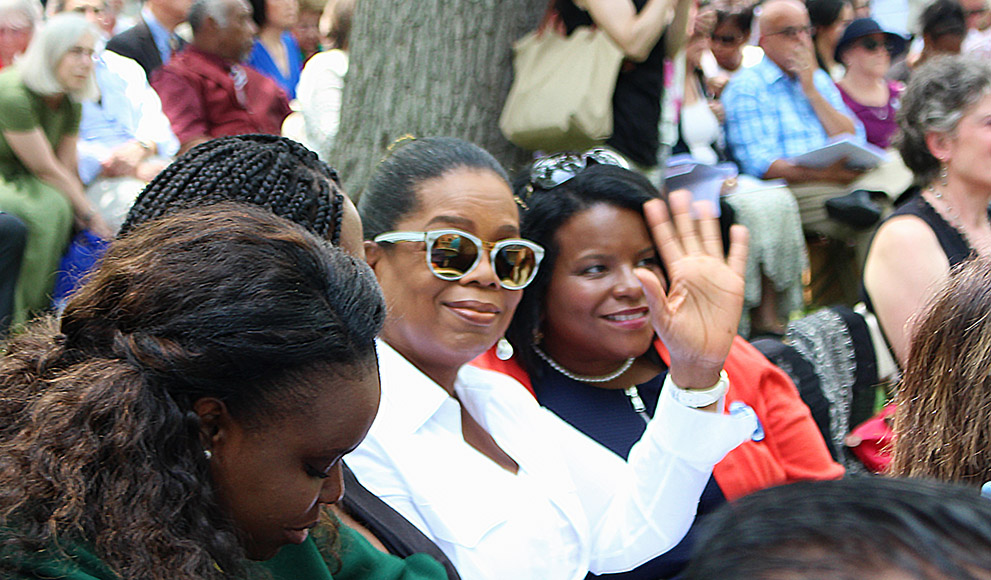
(939, 145)
(373, 253)
(213, 416)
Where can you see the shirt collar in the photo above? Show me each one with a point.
(415, 397)
(769, 71)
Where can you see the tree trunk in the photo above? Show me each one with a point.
(428, 68)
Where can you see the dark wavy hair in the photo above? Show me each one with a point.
(548, 210)
(100, 443)
(393, 190)
(263, 170)
(943, 419)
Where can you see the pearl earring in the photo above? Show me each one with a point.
(504, 350)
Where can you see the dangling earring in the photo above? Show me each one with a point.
(942, 174)
(208, 454)
(504, 350)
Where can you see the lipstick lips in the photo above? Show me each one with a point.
(474, 311)
(631, 318)
(299, 535)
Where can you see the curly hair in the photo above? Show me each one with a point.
(264, 170)
(547, 211)
(938, 95)
(101, 444)
(943, 418)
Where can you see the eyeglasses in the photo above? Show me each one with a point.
(872, 44)
(792, 31)
(453, 254)
(553, 170)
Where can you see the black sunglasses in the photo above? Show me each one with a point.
(872, 44)
(728, 39)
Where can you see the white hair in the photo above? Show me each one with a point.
(218, 10)
(29, 10)
(49, 45)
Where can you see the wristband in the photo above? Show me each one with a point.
(698, 398)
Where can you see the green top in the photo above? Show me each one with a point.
(359, 560)
(23, 110)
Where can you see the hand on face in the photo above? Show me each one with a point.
(803, 63)
(697, 316)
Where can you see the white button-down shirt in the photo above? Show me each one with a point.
(574, 506)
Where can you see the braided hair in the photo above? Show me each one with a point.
(99, 441)
(264, 170)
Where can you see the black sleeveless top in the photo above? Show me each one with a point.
(637, 100)
(952, 242)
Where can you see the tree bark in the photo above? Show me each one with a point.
(428, 68)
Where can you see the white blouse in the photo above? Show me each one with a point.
(573, 507)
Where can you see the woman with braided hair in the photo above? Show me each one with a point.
(264, 170)
(189, 430)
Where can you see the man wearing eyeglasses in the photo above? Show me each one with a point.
(786, 106)
(206, 89)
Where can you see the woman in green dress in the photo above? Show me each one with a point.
(187, 416)
(39, 122)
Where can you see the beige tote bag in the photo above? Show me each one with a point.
(561, 97)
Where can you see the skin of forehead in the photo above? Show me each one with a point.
(777, 10)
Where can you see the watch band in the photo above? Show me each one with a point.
(698, 398)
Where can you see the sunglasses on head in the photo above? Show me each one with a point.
(872, 44)
(553, 170)
(452, 254)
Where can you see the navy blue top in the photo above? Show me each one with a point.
(607, 416)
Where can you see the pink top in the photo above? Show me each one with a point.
(879, 122)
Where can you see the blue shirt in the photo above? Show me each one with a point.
(262, 61)
(768, 117)
(128, 109)
(159, 34)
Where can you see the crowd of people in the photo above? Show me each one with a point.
(472, 374)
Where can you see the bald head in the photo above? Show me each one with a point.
(784, 31)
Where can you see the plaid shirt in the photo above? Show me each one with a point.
(768, 117)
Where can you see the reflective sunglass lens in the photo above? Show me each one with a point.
(452, 255)
(515, 265)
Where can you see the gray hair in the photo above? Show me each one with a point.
(218, 10)
(939, 94)
(49, 45)
(30, 10)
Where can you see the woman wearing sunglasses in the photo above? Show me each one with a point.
(505, 488)
(584, 345)
(866, 52)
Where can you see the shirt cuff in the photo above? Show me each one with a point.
(700, 437)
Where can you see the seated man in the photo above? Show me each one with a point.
(785, 106)
(206, 92)
(124, 138)
(152, 40)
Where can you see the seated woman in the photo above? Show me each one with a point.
(505, 488)
(39, 121)
(288, 180)
(584, 346)
(943, 123)
(866, 52)
(187, 415)
(778, 256)
(943, 419)
(276, 53)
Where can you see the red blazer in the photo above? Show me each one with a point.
(792, 449)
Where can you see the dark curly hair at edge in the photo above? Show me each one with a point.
(263, 170)
(547, 211)
(100, 443)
